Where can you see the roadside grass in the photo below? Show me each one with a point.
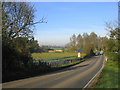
(53, 55)
(109, 76)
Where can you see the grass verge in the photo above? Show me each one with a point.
(109, 76)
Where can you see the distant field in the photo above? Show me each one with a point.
(60, 49)
(53, 55)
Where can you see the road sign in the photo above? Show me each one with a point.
(79, 50)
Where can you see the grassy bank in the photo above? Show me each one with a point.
(109, 76)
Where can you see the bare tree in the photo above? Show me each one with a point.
(17, 19)
(112, 28)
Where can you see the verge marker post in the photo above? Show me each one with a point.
(79, 54)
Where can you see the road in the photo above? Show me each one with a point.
(73, 77)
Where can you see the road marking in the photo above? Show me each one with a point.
(93, 77)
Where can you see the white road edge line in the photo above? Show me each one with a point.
(94, 76)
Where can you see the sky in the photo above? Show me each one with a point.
(67, 18)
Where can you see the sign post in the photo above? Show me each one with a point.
(79, 53)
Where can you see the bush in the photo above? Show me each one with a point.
(112, 56)
(16, 65)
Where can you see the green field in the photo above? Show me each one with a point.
(109, 76)
(53, 55)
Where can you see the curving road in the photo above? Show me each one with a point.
(73, 77)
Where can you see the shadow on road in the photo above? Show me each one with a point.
(76, 67)
(71, 68)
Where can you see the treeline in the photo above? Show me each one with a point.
(92, 43)
(87, 43)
